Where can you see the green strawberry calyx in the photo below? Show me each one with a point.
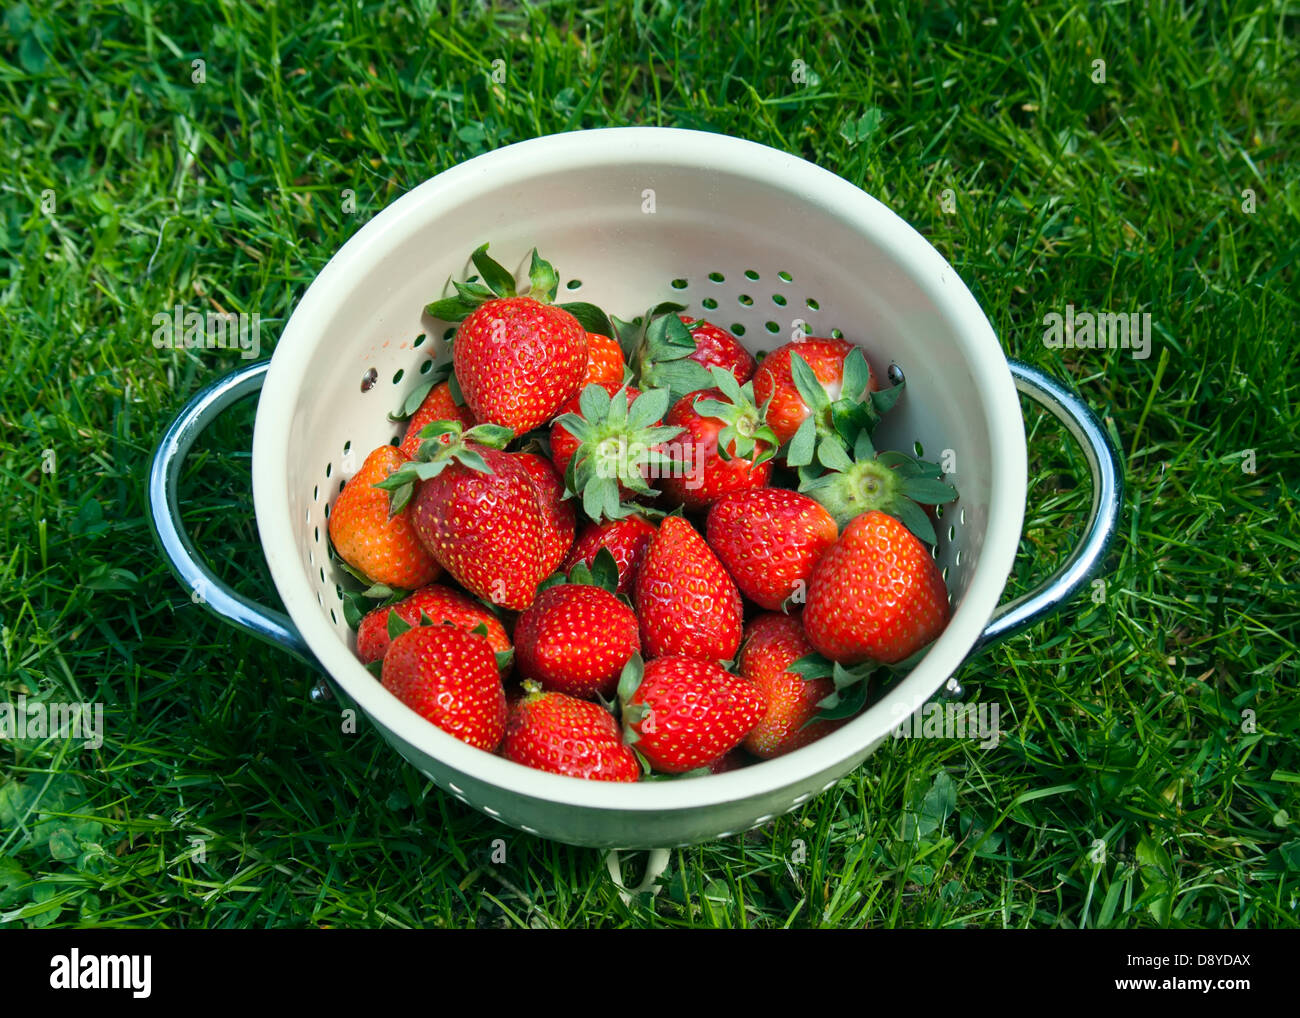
(745, 423)
(434, 457)
(632, 714)
(891, 482)
(495, 282)
(850, 693)
(833, 425)
(663, 355)
(616, 442)
(602, 573)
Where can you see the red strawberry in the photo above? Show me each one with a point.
(789, 406)
(627, 540)
(449, 677)
(557, 536)
(437, 406)
(772, 643)
(604, 360)
(387, 550)
(732, 761)
(686, 601)
(563, 735)
(489, 530)
(769, 539)
(563, 442)
(442, 605)
(605, 444)
(518, 361)
(716, 346)
(685, 713)
(576, 639)
(679, 359)
(875, 595)
(726, 446)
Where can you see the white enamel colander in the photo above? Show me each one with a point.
(744, 235)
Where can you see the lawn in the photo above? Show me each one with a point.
(1124, 157)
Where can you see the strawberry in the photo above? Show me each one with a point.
(604, 360)
(725, 447)
(679, 358)
(385, 548)
(627, 540)
(576, 639)
(479, 513)
(607, 445)
(563, 442)
(686, 601)
(875, 595)
(769, 539)
(442, 605)
(438, 405)
(681, 713)
(563, 735)
(449, 677)
(560, 516)
(716, 346)
(516, 359)
(772, 643)
(774, 380)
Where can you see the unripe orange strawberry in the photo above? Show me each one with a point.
(387, 550)
(437, 406)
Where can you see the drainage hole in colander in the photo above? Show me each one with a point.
(327, 510)
(448, 333)
(320, 599)
(745, 299)
(751, 274)
(919, 448)
(894, 374)
(398, 377)
(738, 329)
(786, 276)
(952, 533)
(322, 574)
(709, 303)
(329, 467)
(938, 512)
(778, 300)
(944, 573)
(347, 447)
(368, 380)
(837, 334)
(426, 367)
(679, 284)
(772, 327)
(415, 343)
(957, 561)
(813, 304)
(962, 516)
(333, 618)
(573, 284)
(315, 495)
(717, 277)
(318, 535)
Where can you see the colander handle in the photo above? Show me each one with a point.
(1107, 500)
(165, 518)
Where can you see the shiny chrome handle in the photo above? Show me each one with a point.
(164, 516)
(1107, 501)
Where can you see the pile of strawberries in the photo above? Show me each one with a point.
(623, 549)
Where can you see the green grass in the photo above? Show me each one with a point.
(1132, 788)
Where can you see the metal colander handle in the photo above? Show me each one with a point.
(164, 517)
(1103, 519)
